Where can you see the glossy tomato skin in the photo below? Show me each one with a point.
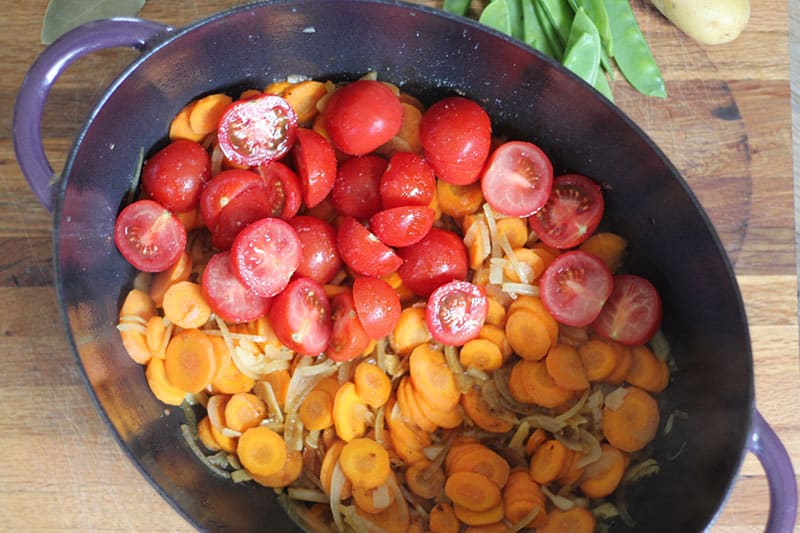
(408, 180)
(455, 133)
(301, 317)
(315, 163)
(517, 179)
(176, 174)
(377, 304)
(362, 251)
(573, 211)
(284, 191)
(362, 115)
(356, 191)
(440, 257)
(148, 236)
(265, 255)
(255, 131)
(575, 286)
(348, 338)
(402, 226)
(455, 312)
(223, 188)
(228, 298)
(240, 211)
(632, 314)
(320, 259)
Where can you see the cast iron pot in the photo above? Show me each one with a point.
(429, 54)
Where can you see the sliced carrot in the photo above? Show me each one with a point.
(262, 451)
(598, 358)
(633, 424)
(410, 331)
(394, 519)
(647, 371)
(497, 335)
(277, 87)
(179, 271)
(514, 229)
(484, 415)
(330, 385)
(287, 475)
(481, 354)
(225, 442)
(527, 334)
(365, 463)
(159, 384)
(373, 500)
(316, 411)
(403, 431)
(156, 336)
(609, 247)
(185, 306)
(432, 378)
(541, 388)
(279, 381)
(191, 219)
(479, 518)
(181, 128)
(303, 98)
(372, 384)
(407, 138)
(534, 303)
(623, 363)
(424, 479)
(329, 462)
(444, 418)
(135, 343)
(244, 410)
(206, 112)
(137, 303)
(571, 472)
(575, 520)
(349, 413)
(476, 239)
(496, 527)
(408, 405)
(458, 200)
(227, 378)
(602, 477)
(472, 491)
(548, 461)
(535, 440)
(205, 436)
(496, 315)
(442, 519)
(482, 460)
(518, 381)
(521, 495)
(528, 261)
(566, 368)
(190, 362)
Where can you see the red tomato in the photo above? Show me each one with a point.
(362, 115)
(265, 255)
(301, 317)
(408, 180)
(574, 287)
(149, 236)
(320, 260)
(362, 251)
(228, 298)
(257, 130)
(633, 311)
(377, 304)
(356, 191)
(175, 175)
(440, 257)
(456, 135)
(571, 214)
(241, 210)
(402, 226)
(315, 163)
(223, 188)
(517, 179)
(456, 312)
(348, 338)
(284, 191)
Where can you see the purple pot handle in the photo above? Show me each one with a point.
(29, 107)
(772, 455)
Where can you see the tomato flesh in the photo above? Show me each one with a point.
(438, 258)
(377, 304)
(240, 211)
(315, 163)
(575, 286)
(320, 259)
(362, 251)
(348, 338)
(517, 179)
(223, 188)
(633, 312)
(265, 255)
(572, 212)
(455, 312)
(176, 174)
(301, 317)
(228, 298)
(283, 189)
(148, 236)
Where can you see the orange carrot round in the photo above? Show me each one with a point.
(566, 368)
(284, 477)
(602, 477)
(185, 305)
(647, 371)
(527, 334)
(481, 354)
(243, 411)
(372, 384)
(190, 362)
(574, 520)
(159, 384)
(261, 451)
(472, 491)
(349, 413)
(598, 358)
(458, 200)
(316, 411)
(424, 480)
(484, 415)
(365, 463)
(442, 519)
(548, 461)
(633, 424)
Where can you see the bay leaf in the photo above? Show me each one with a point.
(64, 15)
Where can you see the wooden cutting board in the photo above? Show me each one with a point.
(726, 125)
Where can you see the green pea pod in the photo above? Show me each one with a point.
(533, 34)
(503, 16)
(631, 52)
(548, 31)
(583, 52)
(456, 7)
(596, 10)
(560, 15)
(602, 86)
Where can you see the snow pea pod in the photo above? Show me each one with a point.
(532, 30)
(560, 15)
(456, 7)
(548, 31)
(504, 16)
(583, 51)
(596, 10)
(631, 52)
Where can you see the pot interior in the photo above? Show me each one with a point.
(430, 55)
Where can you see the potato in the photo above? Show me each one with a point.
(707, 21)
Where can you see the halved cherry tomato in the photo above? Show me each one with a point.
(356, 191)
(438, 258)
(517, 179)
(265, 255)
(408, 180)
(315, 163)
(377, 304)
(149, 236)
(575, 286)
(175, 175)
(223, 188)
(228, 298)
(362, 251)
(348, 338)
(284, 191)
(241, 210)
(456, 136)
(320, 259)
(301, 317)
(456, 312)
(402, 226)
(362, 115)
(632, 313)
(257, 130)
(572, 212)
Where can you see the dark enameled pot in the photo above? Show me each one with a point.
(429, 54)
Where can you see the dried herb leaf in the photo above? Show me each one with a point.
(64, 15)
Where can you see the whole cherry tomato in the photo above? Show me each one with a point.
(356, 191)
(438, 258)
(408, 180)
(228, 298)
(176, 174)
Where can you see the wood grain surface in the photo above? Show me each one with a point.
(726, 125)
